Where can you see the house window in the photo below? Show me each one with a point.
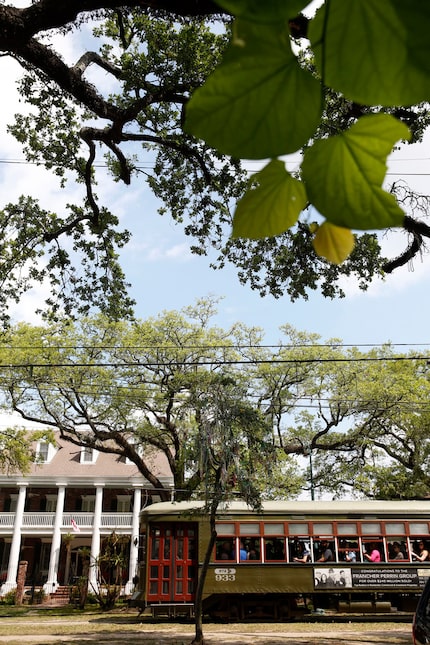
(44, 556)
(51, 503)
(123, 503)
(5, 556)
(88, 455)
(44, 452)
(88, 503)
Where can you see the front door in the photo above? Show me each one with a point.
(172, 564)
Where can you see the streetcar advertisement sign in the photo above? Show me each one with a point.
(365, 577)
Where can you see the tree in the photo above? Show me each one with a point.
(165, 384)
(270, 105)
(362, 420)
(233, 436)
(16, 452)
(135, 389)
(156, 54)
(111, 567)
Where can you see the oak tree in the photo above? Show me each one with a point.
(157, 54)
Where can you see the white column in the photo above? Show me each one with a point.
(15, 548)
(134, 541)
(54, 558)
(95, 542)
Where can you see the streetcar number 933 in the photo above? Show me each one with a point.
(225, 575)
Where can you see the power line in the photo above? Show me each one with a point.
(331, 345)
(150, 165)
(204, 363)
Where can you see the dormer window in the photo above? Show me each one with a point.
(45, 451)
(88, 455)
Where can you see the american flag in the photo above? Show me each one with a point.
(75, 527)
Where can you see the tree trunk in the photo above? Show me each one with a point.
(198, 603)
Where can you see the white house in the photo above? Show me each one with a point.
(71, 498)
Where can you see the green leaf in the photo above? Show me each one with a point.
(259, 102)
(334, 243)
(344, 174)
(269, 11)
(374, 52)
(271, 206)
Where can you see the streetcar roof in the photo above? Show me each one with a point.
(298, 508)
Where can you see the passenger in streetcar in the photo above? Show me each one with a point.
(422, 554)
(327, 553)
(304, 554)
(397, 552)
(243, 553)
(374, 555)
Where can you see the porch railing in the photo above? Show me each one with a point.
(81, 521)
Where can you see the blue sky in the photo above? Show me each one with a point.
(166, 276)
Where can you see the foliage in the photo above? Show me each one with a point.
(9, 597)
(16, 453)
(261, 99)
(212, 401)
(138, 389)
(261, 102)
(368, 431)
(110, 566)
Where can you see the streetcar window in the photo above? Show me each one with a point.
(225, 529)
(349, 528)
(180, 548)
(224, 550)
(296, 528)
(249, 529)
(299, 550)
(370, 545)
(418, 528)
(273, 529)
(324, 550)
(191, 547)
(397, 549)
(155, 548)
(153, 571)
(325, 528)
(252, 547)
(420, 549)
(395, 528)
(371, 528)
(349, 550)
(274, 549)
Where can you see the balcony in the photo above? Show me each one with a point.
(44, 522)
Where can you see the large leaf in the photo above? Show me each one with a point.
(272, 204)
(268, 11)
(376, 52)
(344, 174)
(259, 102)
(334, 243)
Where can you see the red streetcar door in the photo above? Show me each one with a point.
(172, 565)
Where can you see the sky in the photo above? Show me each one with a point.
(165, 275)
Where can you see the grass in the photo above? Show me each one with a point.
(30, 625)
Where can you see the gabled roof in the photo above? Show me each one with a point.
(108, 469)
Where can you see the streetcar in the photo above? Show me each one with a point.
(286, 560)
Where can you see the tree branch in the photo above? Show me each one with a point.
(419, 230)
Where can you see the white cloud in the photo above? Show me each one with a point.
(177, 252)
